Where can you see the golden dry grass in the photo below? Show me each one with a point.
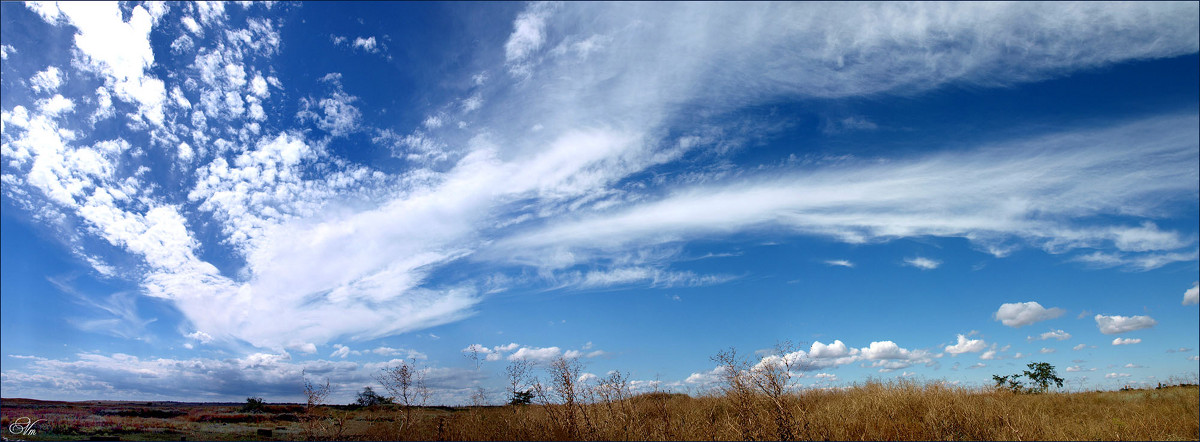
(897, 410)
(894, 410)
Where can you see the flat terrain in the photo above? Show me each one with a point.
(872, 411)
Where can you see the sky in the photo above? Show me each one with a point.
(209, 201)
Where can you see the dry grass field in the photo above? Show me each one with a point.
(896, 410)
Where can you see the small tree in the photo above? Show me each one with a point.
(253, 405)
(369, 397)
(522, 397)
(1040, 374)
(518, 371)
(406, 382)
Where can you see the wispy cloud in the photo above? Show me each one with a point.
(922, 263)
(558, 200)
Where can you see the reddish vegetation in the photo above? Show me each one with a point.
(873, 411)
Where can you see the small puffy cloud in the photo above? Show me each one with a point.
(1111, 325)
(1192, 295)
(55, 105)
(1116, 375)
(1126, 341)
(366, 44)
(1046, 350)
(705, 378)
(1019, 314)
(536, 354)
(840, 263)
(1079, 347)
(46, 81)
(826, 377)
(1194, 358)
(200, 336)
(341, 351)
(472, 103)
(965, 345)
(5, 50)
(884, 350)
(922, 263)
(191, 25)
(1132, 365)
(1053, 334)
(837, 349)
(335, 114)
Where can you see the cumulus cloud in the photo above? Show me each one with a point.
(840, 263)
(118, 50)
(1126, 341)
(1192, 295)
(335, 114)
(1110, 325)
(366, 44)
(965, 345)
(1020, 314)
(46, 81)
(887, 356)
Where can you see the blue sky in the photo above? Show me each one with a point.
(209, 201)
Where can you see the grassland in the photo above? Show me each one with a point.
(896, 410)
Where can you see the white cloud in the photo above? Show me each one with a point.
(528, 36)
(203, 337)
(1110, 325)
(922, 263)
(257, 189)
(116, 49)
(1046, 350)
(55, 106)
(641, 275)
(1079, 347)
(1116, 375)
(840, 263)
(885, 350)
(340, 351)
(335, 114)
(1020, 314)
(366, 44)
(5, 50)
(211, 11)
(965, 345)
(1053, 334)
(191, 25)
(46, 81)
(536, 354)
(956, 195)
(1192, 295)
(472, 103)
(1126, 341)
